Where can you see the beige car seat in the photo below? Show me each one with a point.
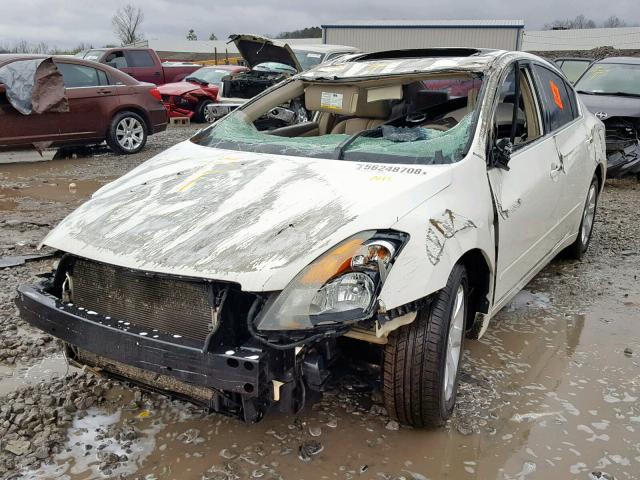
(348, 101)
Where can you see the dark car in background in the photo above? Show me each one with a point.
(610, 89)
(573, 67)
(194, 96)
(143, 64)
(103, 104)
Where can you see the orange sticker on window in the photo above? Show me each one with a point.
(556, 95)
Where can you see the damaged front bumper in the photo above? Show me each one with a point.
(243, 381)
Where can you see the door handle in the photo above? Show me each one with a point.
(105, 91)
(156, 74)
(558, 168)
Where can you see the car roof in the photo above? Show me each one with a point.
(581, 59)
(322, 48)
(627, 60)
(411, 61)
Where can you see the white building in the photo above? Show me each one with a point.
(627, 38)
(373, 35)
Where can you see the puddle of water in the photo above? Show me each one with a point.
(90, 441)
(14, 377)
(527, 299)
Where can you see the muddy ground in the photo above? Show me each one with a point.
(550, 392)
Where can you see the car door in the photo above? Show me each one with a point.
(572, 138)
(526, 192)
(91, 99)
(144, 66)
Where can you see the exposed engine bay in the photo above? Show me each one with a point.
(623, 146)
(249, 84)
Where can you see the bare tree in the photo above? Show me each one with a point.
(579, 22)
(614, 22)
(191, 35)
(126, 24)
(213, 37)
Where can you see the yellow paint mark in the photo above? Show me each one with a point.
(144, 414)
(194, 180)
(380, 178)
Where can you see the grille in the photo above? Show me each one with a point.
(173, 306)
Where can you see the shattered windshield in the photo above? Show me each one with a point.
(395, 121)
(611, 79)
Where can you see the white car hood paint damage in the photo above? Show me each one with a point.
(251, 218)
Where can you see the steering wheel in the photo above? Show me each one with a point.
(415, 118)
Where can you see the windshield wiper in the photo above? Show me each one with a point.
(339, 151)
(196, 80)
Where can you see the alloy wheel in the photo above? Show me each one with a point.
(129, 133)
(454, 343)
(589, 215)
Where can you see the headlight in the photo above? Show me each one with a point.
(339, 286)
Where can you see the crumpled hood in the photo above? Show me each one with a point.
(178, 88)
(612, 105)
(252, 218)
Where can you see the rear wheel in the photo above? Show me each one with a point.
(204, 113)
(422, 359)
(578, 248)
(127, 133)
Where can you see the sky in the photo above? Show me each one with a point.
(66, 23)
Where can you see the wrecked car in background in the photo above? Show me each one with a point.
(271, 61)
(194, 96)
(143, 64)
(234, 267)
(63, 101)
(610, 88)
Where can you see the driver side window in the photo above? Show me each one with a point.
(527, 126)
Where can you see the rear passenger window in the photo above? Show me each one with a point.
(140, 58)
(78, 75)
(557, 99)
(102, 77)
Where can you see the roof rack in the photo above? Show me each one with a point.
(419, 53)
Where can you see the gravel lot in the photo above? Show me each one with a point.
(551, 391)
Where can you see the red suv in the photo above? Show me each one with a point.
(104, 104)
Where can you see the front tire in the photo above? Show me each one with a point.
(422, 359)
(203, 113)
(127, 133)
(578, 248)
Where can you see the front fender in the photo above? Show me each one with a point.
(442, 230)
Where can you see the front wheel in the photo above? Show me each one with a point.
(578, 248)
(422, 359)
(127, 133)
(204, 113)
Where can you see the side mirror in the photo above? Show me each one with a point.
(501, 154)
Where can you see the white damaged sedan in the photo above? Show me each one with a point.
(399, 199)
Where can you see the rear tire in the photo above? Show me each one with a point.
(127, 133)
(202, 113)
(422, 359)
(578, 248)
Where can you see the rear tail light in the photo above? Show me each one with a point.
(155, 93)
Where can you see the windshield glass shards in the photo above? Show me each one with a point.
(394, 121)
